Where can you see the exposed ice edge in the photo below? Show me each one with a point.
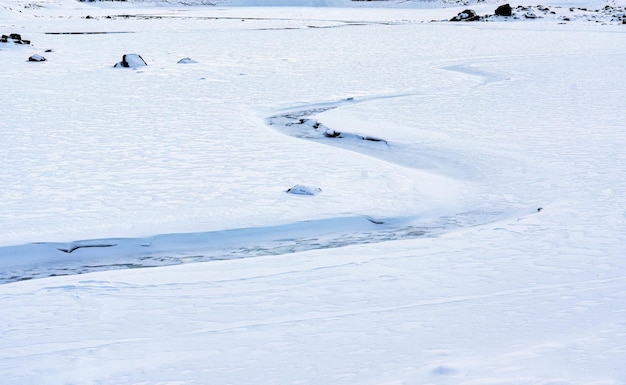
(44, 259)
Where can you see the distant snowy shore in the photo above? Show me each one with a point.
(561, 11)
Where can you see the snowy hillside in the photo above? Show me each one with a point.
(326, 192)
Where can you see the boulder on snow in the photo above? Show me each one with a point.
(131, 60)
(504, 10)
(36, 57)
(467, 15)
(304, 190)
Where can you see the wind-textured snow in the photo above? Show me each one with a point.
(468, 226)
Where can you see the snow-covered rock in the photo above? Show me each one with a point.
(304, 190)
(186, 60)
(467, 15)
(131, 60)
(36, 58)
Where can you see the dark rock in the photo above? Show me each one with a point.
(467, 15)
(504, 10)
(131, 60)
(332, 134)
(14, 38)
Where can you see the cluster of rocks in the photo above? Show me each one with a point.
(504, 10)
(608, 14)
(14, 38)
(133, 60)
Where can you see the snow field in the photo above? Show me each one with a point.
(423, 311)
(486, 124)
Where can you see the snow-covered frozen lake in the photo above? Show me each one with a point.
(467, 223)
